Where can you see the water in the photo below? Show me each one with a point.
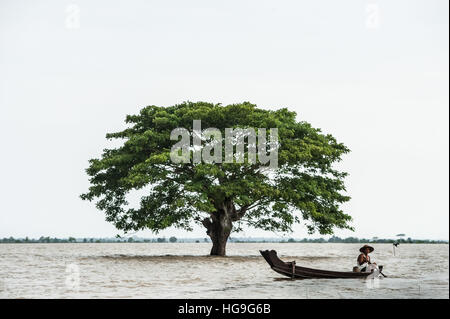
(182, 270)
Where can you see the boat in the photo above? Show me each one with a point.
(290, 269)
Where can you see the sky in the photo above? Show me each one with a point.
(372, 73)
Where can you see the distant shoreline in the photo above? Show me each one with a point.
(134, 239)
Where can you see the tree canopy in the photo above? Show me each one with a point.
(305, 187)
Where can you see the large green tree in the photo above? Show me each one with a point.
(220, 196)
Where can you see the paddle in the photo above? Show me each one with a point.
(380, 269)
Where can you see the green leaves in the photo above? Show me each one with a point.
(305, 187)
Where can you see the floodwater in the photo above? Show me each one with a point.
(183, 270)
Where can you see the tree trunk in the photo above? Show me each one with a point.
(218, 227)
(219, 232)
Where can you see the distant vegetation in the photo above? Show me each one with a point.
(43, 239)
(173, 239)
(350, 240)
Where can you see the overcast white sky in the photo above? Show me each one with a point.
(372, 73)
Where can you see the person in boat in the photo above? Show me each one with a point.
(364, 263)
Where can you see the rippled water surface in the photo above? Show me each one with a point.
(182, 270)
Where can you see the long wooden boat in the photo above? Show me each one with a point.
(290, 269)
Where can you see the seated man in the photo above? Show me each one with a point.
(364, 263)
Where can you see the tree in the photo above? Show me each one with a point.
(220, 196)
(173, 239)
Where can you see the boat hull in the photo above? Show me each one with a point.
(291, 270)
